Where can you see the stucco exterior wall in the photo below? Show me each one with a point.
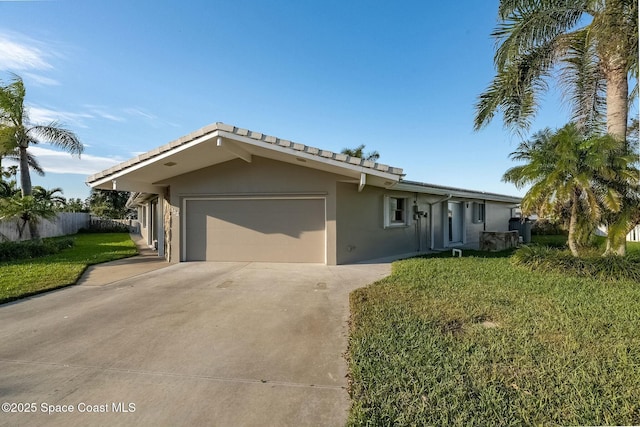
(498, 215)
(144, 218)
(496, 219)
(360, 226)
(260, 177)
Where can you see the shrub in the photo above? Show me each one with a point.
(547, 259)
(110, 228)
(545, 227)
(10, 251)
(551, 240)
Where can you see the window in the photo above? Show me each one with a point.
(478, 212)
(395, 213)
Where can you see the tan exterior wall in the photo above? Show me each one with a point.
(260, 177)
(474, 229)
(144, 218)
(496, 216)
(361, 227)
(362, 234)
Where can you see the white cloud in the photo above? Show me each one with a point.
(101, 111)
(21, 55)
(135, 111)
(40, 115)
(61, 162)
(40, 80)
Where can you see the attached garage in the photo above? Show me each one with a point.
(265, 229)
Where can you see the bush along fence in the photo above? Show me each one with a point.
(64, 223)
(108, 225)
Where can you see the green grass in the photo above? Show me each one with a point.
(560, 241)
(19, 279)
(479, 341)
(554, 241)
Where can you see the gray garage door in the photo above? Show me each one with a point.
(265, 230)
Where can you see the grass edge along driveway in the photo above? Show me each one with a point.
(479, 341)
(19, 279)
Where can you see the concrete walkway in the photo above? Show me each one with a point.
(113, 271)
(210, 343)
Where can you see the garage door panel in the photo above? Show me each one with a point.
(271, 230)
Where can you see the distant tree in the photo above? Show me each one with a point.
(58, 201)
(75, 205)
(9, 172)
(371, 156)
(108, 203)
(17, 134)
(8, 189)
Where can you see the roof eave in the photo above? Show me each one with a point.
(417, 187)
(313, 155)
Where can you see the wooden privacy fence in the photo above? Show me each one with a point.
(64, 223)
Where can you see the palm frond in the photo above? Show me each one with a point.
(527, 25)
(516, 89)
(582, 81)
(34, 164)
(58, 136)
(8, 140)
(12, 101)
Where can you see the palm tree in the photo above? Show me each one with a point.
(563, 168)
(595, 59)
(57, 200)
(620, 223)
(18, 134)
(8, 189)
(26, 209)
(372, 156)
(593, 44)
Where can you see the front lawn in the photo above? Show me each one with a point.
(479, 341)
(27, 277)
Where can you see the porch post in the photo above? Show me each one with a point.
(160, 225)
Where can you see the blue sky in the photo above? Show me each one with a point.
(400, 77)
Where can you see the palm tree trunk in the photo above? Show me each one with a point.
(25, 176)
(617, 112)
(617, 232)
(25, 183)
(617, 101)
(573, 225)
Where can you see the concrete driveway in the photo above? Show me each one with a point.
(228, 344)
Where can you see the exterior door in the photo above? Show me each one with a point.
(455, 218)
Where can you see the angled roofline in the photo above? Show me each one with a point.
(393, 174)
(251, 137)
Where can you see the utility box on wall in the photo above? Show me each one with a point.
(523, 227)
